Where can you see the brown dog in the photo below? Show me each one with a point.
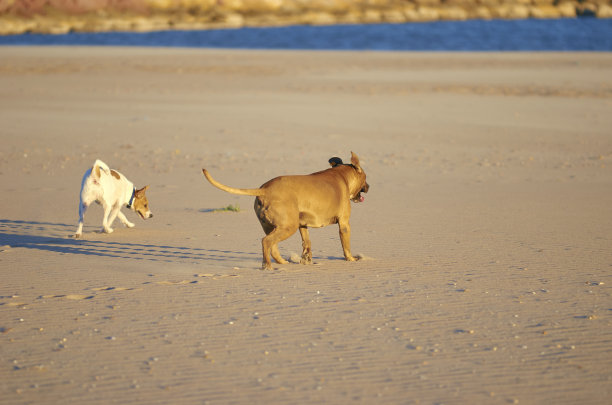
(287, 203)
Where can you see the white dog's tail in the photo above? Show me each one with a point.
(99, 166)
(240, 191)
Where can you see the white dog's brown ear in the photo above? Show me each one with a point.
(355, 162)
(142, 190)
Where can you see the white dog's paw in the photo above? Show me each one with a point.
(129, 224)
(76, 235)
(106, 230)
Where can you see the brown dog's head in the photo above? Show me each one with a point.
(141, 204)
(359, 185)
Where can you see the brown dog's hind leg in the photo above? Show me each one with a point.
(277, 256)
(345, 239)
(269, 246)
(306, 247)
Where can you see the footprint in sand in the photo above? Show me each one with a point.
(17, 304)
(216, 276)
(68, 296)
(85, 296)
(14, 304)
(114, 289)
(74, 297)
(206, 275)
(167, 282)
(78, 297)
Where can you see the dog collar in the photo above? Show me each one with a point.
(132, 198)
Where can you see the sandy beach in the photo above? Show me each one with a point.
(486, 236)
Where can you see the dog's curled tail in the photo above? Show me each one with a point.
(239, 191)
(97, 166)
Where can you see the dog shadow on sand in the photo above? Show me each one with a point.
(51, 237)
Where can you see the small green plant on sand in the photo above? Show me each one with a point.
(229, 208)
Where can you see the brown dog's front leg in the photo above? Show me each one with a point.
(306, 247)
(345, 239)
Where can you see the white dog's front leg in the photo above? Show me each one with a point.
(124, 220)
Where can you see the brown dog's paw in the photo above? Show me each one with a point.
(306, 260)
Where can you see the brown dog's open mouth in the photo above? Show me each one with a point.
(359, 197)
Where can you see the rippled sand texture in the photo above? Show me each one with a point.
(485, 236)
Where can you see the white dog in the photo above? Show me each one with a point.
(111, 189)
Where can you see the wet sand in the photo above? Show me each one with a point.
(485, 238)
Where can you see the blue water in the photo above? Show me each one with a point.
(578, 34)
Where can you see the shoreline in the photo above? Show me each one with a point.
(147, 16)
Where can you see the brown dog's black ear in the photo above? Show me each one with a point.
(335, 161)
(355, 162)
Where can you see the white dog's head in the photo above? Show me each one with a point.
(141, 204)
